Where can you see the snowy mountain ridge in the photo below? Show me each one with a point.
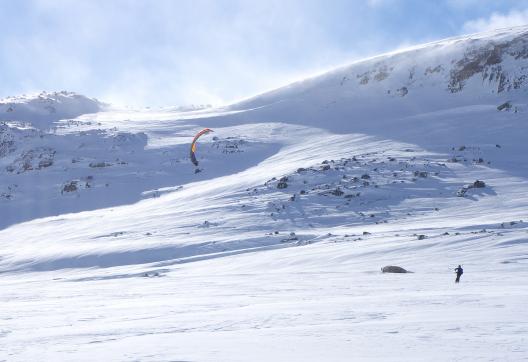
(113, 246)
(46, 107)
(434, 76)
(486, 54)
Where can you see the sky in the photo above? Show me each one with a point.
(181, 52)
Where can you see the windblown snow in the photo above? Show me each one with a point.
(113, 246)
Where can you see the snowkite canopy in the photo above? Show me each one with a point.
(193, 144)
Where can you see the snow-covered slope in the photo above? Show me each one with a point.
(445, 74)
(42, 109)
(113, 247)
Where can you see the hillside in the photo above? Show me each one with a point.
(114, 245)
(455, 72)
(43, 109)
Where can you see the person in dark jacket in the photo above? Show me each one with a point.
(459, 271)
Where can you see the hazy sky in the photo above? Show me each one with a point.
(162, 52)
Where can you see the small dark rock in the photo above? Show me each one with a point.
(479, 184)
(69, 187)
(393, 269)
(505, 106)
(282, 185)
(337, 192)
(422, 174)
(99, 164)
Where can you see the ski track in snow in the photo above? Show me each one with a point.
(112, 248)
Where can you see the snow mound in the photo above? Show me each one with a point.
(45, 108)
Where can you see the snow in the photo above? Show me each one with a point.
(44, 108)
(113, 248)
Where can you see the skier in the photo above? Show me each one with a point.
(459, 271)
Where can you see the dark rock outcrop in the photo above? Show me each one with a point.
(393, 269)
(505, 106)
(479, 184)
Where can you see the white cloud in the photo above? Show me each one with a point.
(180, 52)
(173, 53)
(497, 21)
